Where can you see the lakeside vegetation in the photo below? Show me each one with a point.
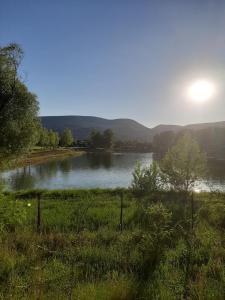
(82, 251)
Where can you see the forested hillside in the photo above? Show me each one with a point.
(211, 136)
(81, 126)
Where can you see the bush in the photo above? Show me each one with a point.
(12, 213)
(146, 181)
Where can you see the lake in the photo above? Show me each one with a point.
(91, 170)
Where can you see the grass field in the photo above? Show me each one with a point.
(163, 250)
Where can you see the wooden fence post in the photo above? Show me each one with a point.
(38, 213)
(121, 211)
(192, 211)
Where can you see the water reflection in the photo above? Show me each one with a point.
(22, 179)
(65, 166)
(98, 160)
(92, 170)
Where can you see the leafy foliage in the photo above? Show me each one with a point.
(18, 106)
(12, 213)
(183, 164)
(99, 140)
(146, 180)
(53, 139)
(66, 138)
(48, 138)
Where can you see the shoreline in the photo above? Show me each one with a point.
(44, 155)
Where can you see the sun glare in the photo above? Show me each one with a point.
(201, 90)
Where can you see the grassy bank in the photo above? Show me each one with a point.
(40, 155)
(81, 251)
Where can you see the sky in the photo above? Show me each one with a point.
(120, 58)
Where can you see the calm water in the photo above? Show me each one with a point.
(93, 170)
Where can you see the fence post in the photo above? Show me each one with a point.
(38, 213)
(192, 211)
(121, 211)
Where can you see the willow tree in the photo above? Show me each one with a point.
(18, 107)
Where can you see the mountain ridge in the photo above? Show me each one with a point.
(124, 128)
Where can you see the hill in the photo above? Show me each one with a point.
(81, 126)
(124, 129)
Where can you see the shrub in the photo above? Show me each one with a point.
(146, 180)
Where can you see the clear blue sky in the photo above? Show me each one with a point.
(120, 58)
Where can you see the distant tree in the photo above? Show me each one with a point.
(163, 141)
(183, 164)
(108, 139)
(53, 139)
(66, 138)
(43, 137)
(212, 140)
(99, 140)
(95, 139)
(133, 146)
(18, 107)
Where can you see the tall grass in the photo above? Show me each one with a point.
(81, 253)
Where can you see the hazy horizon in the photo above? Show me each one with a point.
(120, 59)
(124, 118)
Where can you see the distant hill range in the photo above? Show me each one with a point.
(124, 129)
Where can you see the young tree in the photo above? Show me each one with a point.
(66, 138)
(183, 164)
(146, 180)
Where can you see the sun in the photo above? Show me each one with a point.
(201, 90)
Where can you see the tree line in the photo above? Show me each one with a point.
(211, 140)
(96, 140)
(103, 140)
(52, 139)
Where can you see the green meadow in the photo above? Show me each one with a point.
(167, 247)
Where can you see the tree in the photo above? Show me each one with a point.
(53, 139)
(95, 139)
(163, 141)
(183, 164)
(98, 140)
(18, 107)
(66, 138)
(10, 59)
(108, 139)
(43, 137)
